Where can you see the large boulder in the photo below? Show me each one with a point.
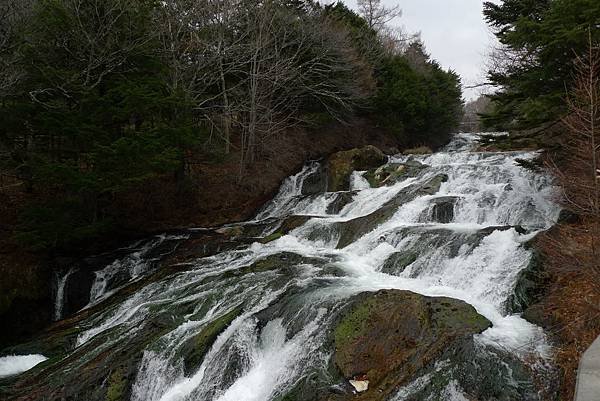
(390, 174)
(531, 286)
(340, 165)
(386, 337)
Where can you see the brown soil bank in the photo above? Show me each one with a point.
(567, 299)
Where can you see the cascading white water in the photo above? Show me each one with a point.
(126, 269)
(59, 299)
(282, 315)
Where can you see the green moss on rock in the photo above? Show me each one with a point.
(341, 165)
(390, 335)
(197, 347)
(271, 237)
(117, 385)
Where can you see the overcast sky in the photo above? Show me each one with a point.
(454, 33)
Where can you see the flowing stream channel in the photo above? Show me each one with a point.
(457, 228)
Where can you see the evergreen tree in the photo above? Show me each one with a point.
(534, 66)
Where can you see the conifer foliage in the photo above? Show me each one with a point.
(99, 96)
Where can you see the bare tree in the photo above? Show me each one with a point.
(250, 68)
(396, 41)
(292, 63)
(13, 16)
(376, 14)
(579, 173)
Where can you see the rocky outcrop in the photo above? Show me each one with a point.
(392, 173)
(341, 165)
(531, 286)
(388, 336)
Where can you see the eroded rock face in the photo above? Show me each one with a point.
(388, 336)
(341, 165)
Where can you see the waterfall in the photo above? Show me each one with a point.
(59, 300)
(251, 322)
(139, 260)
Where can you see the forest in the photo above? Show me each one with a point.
(293, 200)
(99, 97)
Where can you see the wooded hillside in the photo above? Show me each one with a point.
(100, 97)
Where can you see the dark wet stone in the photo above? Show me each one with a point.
(531, 286)
(342, 199)
(316, 183)
(443, 209)
(397, 262)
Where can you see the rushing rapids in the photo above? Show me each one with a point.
(251, 318)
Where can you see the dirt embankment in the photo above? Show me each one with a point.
(568, 303)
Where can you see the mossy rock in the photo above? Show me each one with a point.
(390, 335)
(196, 347)
(393, 173)
(271, 237)
(117, 385)
(340, 165)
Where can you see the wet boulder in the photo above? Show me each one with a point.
(341, 200)
(433, 185)
(397, 262)
(388, 336)
(315, 183)
(392, 173)
(340, 165)
(530, 287)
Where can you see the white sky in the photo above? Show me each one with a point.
(454, 32)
